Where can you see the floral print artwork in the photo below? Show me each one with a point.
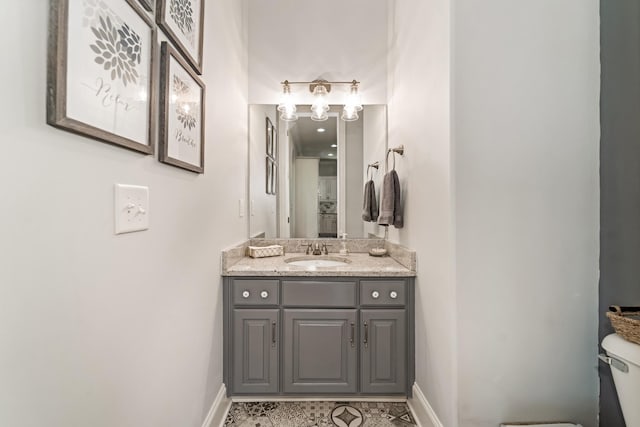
(184, 110)
(182, 14)
(118, 48)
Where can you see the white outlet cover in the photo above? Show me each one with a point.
(131, 208)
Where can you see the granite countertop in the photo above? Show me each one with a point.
(362, 264)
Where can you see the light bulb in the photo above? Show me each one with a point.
(287, 106)
(352, 105)
(320, 106)
(319, 115)
(349, 114)
(353, 99)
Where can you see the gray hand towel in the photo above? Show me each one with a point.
(370, 205)
(390, 206)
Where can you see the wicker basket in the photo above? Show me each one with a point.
(626, 322)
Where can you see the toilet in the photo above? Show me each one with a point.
(624, 359)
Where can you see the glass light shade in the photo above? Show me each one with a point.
(352, 104)
(287, 106)
(289, 115)
(288, 112)
(349, 114)
(320, 106)
(319, 115)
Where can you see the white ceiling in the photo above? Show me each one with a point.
(311, 143)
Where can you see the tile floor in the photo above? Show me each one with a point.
(319, 414)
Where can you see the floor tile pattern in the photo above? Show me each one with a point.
(319, 414)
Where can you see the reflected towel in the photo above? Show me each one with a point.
(370, 204)
(390, 202)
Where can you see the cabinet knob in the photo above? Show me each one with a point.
(393, 295)
(264, 294)
(245, 294)
(375, 294)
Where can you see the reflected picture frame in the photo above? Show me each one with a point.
(101, 72)
(268, 174)
(269, 133)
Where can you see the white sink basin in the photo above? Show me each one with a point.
(318, 261)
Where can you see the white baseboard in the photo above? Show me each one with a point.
(218, 412)
(319, 399)
(422, 410)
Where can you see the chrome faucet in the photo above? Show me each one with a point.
(316, 249)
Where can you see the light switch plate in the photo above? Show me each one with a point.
(131, 208)
(241, 208)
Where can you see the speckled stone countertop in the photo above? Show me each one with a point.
(400, 263)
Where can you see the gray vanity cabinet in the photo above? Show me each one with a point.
(320, 354)
(255, 349)
(318, 335)
(383, 351)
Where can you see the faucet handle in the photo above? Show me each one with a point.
(309, 247)
(324, 248)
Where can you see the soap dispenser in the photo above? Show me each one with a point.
(343, 245)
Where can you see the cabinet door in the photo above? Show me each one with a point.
(255, 351)
(333, 189)
(383, 351)
(320, 351)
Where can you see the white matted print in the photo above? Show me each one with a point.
(100, 71)
(182, 112)
(182, 21)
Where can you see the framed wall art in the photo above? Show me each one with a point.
(147, 4)
(100, 71)
(182, 96)
(182, 21)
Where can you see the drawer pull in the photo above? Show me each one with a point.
(366, 334)
(264, 294)
(393, 295)
(353, 335)
(375, 294)
(273, 333)
(245, 294)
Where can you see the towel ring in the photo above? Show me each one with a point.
(399, 150)
(375, 165)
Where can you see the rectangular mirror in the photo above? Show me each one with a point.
(306, 178)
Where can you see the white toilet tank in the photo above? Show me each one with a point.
(627, 383)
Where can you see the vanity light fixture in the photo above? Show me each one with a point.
(320, 106)
(321, 130)
(334, 145)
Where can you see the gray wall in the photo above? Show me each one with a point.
(619, 176)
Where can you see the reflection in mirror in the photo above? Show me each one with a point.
(318, 174)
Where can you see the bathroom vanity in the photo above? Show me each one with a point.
(345, 330)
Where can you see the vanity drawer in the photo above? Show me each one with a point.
(383, 292)
(255, 292)
(318, 294)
